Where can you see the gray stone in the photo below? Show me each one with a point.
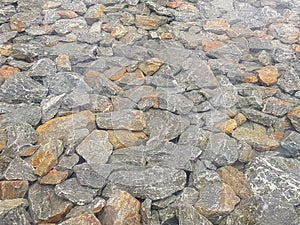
(13, 211)
(275, 176)
(45, 205)
(125, 119)
(150, 182)
(65, 26)
(106, 87)
(291, 144)
(176, 103)
(289, 80)
(99, 103)
(285, 32)
(203, 107)
(95, 148)
(50, 106)
(132, 2)
(188, 215)
(27, 52)
(20, 87)
(227, 51)
(119, 103)
(93, 13)
(72, 190)
(88, 37)
(136, 93)
(194, 136)
(4, 163)
(163, 125)
(221, 149)
(7, 36)
(148, 216)
(67, 162)
(23, 19)
(76, 99)
(259, 117)
(276, 107)
(257, 44)
(19, 169)
(164, 203)
(160, 10)
(262, 210)
(76, 6)
(42, 68)
(50, 16)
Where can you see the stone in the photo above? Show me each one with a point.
(13, 211)
(126, 119)
(166, 36)
(189, 215)
(150, 66)
(43, 67)
(72, 190)
(78, 7)
(268, 75)
(221, 149)
(65, 26)
(4, 164)
(13, 189)
(131, 79)
(228, 126)
(63, 63)
(236, 180)
(19, 169)
(94, 13)
(229, 52)
(166, 181)
(261, 210)
(28, 52)
(289, 81)
(132, 2)
(217, 25)
(20, 87)
(50, 107)
(291, 144)
(294, 116)
(95, 148)
(45, 206)
(209, 45)
(125, 138)
(19, 21)
(276, 107)
(67, 14)
(85, 210)
(7, 71)
(149, 22)
(119, 32)
(256, 136)
(164, 125)
(176, 103)
(82, 220)
(53, 177)
(106, 87)
(66, 162)
(174, 4)
(121, 208)
(286, 33)
(76, 99)
(51, 5)
(259, 117)
(136, 93)
(99, 104)
(5, 50)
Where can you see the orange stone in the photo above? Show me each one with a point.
(174, 4)
(217, 25)
(16, 25)
(119, 32)
(63, 61)
(278, 136)
(294, 116)
(150, 66)
(228, 126)
(44, 161)
(296, 48)
(240, 119)
(53, 177)
(82, 220)
(118, 75)
(125, 138)
(13, 189)
(51, 5)
(149, 22)
(5, 50)
(250, 79)
(209, 45)
(268, 75)
(67, 14)
(7, 71)
(166, 36)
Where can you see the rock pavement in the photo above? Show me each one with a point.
(150, 112)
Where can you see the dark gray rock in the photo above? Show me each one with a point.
(176, 103)
(119, 103)
(135, 94)
(227, 51)
(276, 107)
(78, 7)
(13, 211)
(50, 107)
(27, 52)
(88, 37)
(6, 36)
(73, 191)
(257, 44)
(42, 68)
(275, 176)
(20, 87)
(19, 169)
(45, 205)
(106, 87)
(67, 162)
(289, 80)
(291, 144)
(4, 163)
(188, 215)
(149, 216)
(259, 117)
(50, 16)
(76, 99)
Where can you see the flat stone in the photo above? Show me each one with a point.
(294, 116)
(45, 206)
(149, 22)
(53, 177)
(20, 87)
(19, 169)
(291, 144)
(13, 189)
(217, 25)
(176, 103)
(82, 220)
(63, 63)
(209, 45)
(67, 14)
(42, 68)
(67, 162)
(289, 81)
(256, 136)
(189, 215)
(121, 208)
(94, 13)
(74, 192)
(259, 117)
(150, 66)
(126, 138)
(126, 119)
(285, 32)
(131, 79)
(276, 107)
(136, 93)
(13, 211)
(268, 75)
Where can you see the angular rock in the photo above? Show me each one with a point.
(19, 169)
(259, 117)
(294, 116)
(82, 220)
(119, 32)
(66, 162)
(28, 52)
(5, 50)
(42, 68)
(150, 66)
(149, 22)
(53, 177)
(291, 144)
(85, 210)
(45, 206)
(63, 63)
(132, 79)
(176, 103)
(65, 26)
(217, 25)
(13, 189)
(121, 208)
(188, 215)
(287, 33)
(125, 138)
(74, 192)
(276, 107)
(94, 13)
(268, 75)
(50, 107)
(7, 71)
(289, 81)
(125, 119)
(228, 51)
(19, 21)
(136, 93)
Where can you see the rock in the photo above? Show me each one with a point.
(291, 144)
(13, 189)
(20, 87)
(95, 148)
(165, 180)
(257, 44)
(149, 22)
(209, 45)
(174, 4)
(289, 81)
(217, 25)
(163, 125)
(236, 180)
(121, 208)
(268, 75)
(277, 172)
(50, 107)
(106, 87)
(276, 107)
(19, 21)
(63, 63)
(51, 5)
(136, 93)
(228, 51)
(19, 169)
(119, 32)
(191, 216)
(261, 210)
(259, 117)
(45, 206)
(75, 100)
(287, 33)
(150, 66)
(256, 136)
(176, 103)
(78, 7)
(8, 71)
(13, 211)
(99, 104)
(27, 52)
(85, 210)
(126, 119)
(53, 177)
(221, 149)
(132, 79)
(66, 162)
(74, 192)
(294, 116)
(5, 50)
(125, 138)
(42, 68)
(82, 220)
(94, 13)
(228, 126)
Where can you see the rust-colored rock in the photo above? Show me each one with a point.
(166, 36)
(63, 63)
(247, 153)
(268, 75)
(149, 22)
(121, 209)
(240, 118)
(51, 5)
(294, 116)
(236, 180)
(217, 25)
(209, 45)
(125, 138)
(250, 79)
(7, 71)
(119, 32)
(228, 126)
(5, 50)
(13, 189)
(67, 14)
(82, 220)
(174, 4)
(150, 66)
(118, 75)
(53, 177)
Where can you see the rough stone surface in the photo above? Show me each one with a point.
(294, 116)
(13, 189)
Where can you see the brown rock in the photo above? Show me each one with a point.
(268, 75)
(209, 45)
(53, 177)
(294, 116)
(150, 66)
(90, 77)
(250, 79)
(174, 4)
(247, 153)
(228, 126)
(118, 74)
(134, 78)
(296, 48)
(119, 32)
(5, 50)
(7, 71)
(236, 180)
(121, 209)
(82, 220)
(166, 36)
(63, 63)
(67, 14)
(13, 189)
(51, 5)
(125, 138)
(217, 25)
(240, 119)
(256, 136)
(149, 22)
